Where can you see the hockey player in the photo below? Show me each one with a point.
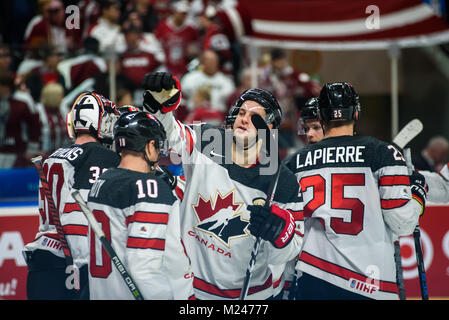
(357, 194)
(140, 216)
(309, 124)
(90, 122)
(224, 192)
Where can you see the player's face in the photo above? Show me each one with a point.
(244, 130)
(314, 131)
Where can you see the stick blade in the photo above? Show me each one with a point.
(410, 131)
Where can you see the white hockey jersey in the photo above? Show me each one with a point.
(215, 220)
(139, 215)
(356, 193)
(438, 184)
(76, 167)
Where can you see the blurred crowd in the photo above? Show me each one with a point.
(51, 50)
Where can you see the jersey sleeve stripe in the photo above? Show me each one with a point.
(144, 243)
(393, 203)
(189, 139)
(75, 230)
(148, 217)
(344, 273)
(70, 207)
(179, 193)
(232, 293)
(394, 180)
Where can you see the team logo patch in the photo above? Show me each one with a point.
(221, 217)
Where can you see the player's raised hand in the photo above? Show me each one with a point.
(271, 224)
(162, 92)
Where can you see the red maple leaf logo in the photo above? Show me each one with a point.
(205, 208)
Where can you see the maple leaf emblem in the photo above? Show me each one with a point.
(221, 218)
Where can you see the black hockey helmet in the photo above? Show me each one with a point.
(338, 101)
(265, 98)
(133, 130)
(310, 110)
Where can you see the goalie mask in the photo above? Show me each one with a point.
(92, 114)
(266, 99)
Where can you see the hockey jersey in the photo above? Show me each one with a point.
(356, 193)
(139, 215)
(215, 218)
(76, 167)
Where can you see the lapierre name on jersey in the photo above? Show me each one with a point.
(346, 154)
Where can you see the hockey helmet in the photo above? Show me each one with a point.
(266, 99)
(310, 111)
(338, 101)
(133, 130)
(93, 114)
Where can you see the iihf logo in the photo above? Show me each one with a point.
(221, 217)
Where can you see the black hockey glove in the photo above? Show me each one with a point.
(162, 92)
(168, 176)
(419, 189)
(276, 225)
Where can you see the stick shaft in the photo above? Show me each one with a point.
(52, 210)
(420, 263)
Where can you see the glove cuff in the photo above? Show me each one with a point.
(287, 232)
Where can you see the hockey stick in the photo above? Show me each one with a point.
(417, 240)
(37, 161)
(107, 246)
(407, 134)
(260, 124)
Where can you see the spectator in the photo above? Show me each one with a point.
(5, 58)
(90, 11)
(46, 73)
(145, 12)
(136, 62)
(208, 74)
(203, 112)
(215, 39)
(124, 97)
(49, 27)
(244, 84)
(434, 156)
(85, 66)
(107, 30)
(288, 85)
(179, 40)
(54, 135)
(16, 148)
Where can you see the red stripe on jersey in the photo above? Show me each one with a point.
(179, 193)
(189, 138)
(143, 243)
(75, 230)
(344, 273)
(51, 235)
(394, 180)
(70, 207)
(148, 217)
(393, 204)
(231, 293)
(192, 297)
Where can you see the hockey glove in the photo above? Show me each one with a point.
(276, 225)
(168, 176)
(419, 189)
(162, 92)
